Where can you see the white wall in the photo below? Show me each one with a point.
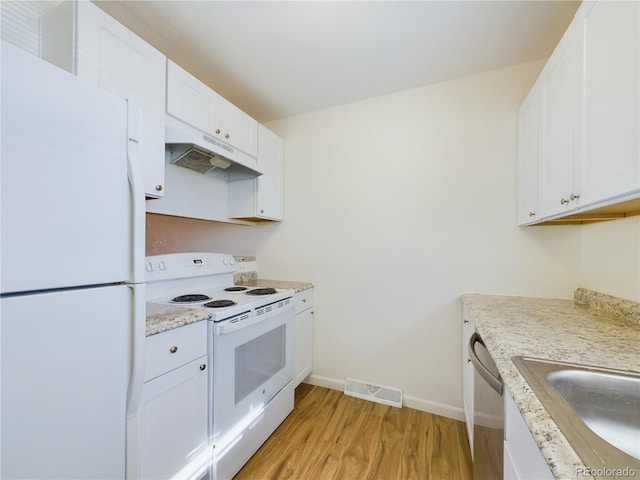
(611, 258)
(394, 207)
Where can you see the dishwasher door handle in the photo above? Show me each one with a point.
(493, 381)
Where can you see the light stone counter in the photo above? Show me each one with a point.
(161, 318)
(555, 329)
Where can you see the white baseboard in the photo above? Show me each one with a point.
(410, 401)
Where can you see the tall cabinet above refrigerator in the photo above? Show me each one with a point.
(71, 256)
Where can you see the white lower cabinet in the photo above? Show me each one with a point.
(303, 360)
(172, 421)
(522, 457)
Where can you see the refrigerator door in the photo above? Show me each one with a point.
(66, 203)
(65, 369)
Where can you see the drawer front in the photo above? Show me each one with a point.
(304, 300)
(169, 350)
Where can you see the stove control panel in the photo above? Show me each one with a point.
(185, 265)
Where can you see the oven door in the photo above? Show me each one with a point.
(250, 366)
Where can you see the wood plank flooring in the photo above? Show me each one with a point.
(331, 436)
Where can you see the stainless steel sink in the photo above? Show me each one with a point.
(596, 409)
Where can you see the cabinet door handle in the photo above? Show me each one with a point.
(574, 196)
(217, 130)
(159, 188)
(203, 366)
(173, 349)
(227, 136)
(563, 201)
(532, 214)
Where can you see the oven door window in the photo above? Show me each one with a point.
(250, 366)
(258, 360)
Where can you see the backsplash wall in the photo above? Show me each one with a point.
(610, 260)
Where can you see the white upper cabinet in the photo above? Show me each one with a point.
(558, 94)
(608, 155)
(238, 128)
(261, 198)
(193, 102)
(527, 176)
(588, 152)
(114, 58)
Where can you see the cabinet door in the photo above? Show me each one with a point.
(173, 421)
(271, 184)
(261, 198)
(523, 459)
(609, 160)
(238, 129)
(195, 103)
(528, 123)
(303, 359)
(111, 56)
(192, 101)
(558, 93)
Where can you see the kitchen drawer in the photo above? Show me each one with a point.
(304, 300)
(169, 350)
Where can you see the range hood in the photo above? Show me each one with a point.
(193, 149)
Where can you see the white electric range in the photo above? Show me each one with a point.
(250, 346)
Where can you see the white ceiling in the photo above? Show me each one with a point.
(278, 59)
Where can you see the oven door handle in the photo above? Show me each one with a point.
(493, 381)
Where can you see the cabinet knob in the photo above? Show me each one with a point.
(262, 210)
(563, 201)
(173, 349)
(532, 214)
(226, 135)
(203, 366)
(217, 130)
(466, 321)
(574, 196)
(159, 188)
(304, 300)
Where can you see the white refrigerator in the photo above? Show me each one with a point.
(72, 313)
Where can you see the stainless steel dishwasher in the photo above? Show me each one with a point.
(488, 413)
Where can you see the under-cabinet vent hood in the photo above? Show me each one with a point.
(193, 149)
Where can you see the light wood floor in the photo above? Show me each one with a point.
(331, 436)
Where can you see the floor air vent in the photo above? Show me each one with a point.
(374, 393)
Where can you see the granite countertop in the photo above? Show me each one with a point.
(284, 284)
(585, 332)
(161, 318)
